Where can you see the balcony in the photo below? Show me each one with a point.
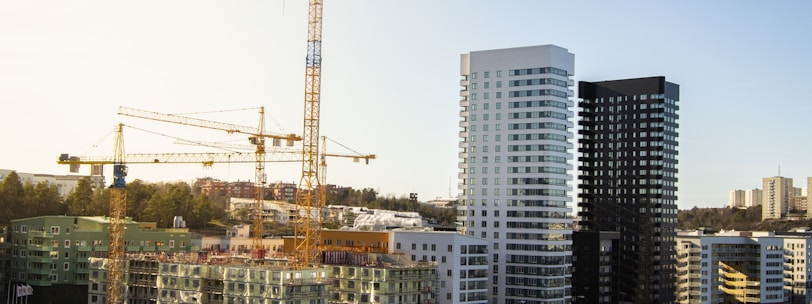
(32, 247)
(40, 259)
(41, 234)
(39, 282)
(45, 271)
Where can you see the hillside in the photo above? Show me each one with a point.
(734, 219)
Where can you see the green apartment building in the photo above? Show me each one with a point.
(51, 253)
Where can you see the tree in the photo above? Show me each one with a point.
(11, 197)
(168, 201)
(43, 199)
(202, 212)
(79, 201)
(138, 195)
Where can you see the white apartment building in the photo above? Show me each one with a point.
(743, 267)
(462, 262)
(515, 168)
(798, 265)
(272, 211)
(752, 198)
(735, 199)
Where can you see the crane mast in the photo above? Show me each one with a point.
(308, 224)
(257, 251)
(118, 213)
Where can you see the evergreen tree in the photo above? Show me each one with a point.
(79, 202)
(11, 198)
(43, 199)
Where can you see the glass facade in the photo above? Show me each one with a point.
(628, 176)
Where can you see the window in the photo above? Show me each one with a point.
(66, 266)
(67, 243)
(55, 229)
(487, 74)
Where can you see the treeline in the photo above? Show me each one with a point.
(734, 219)
(369, 198)
(160, 202)
(146, 202)
(719, 218)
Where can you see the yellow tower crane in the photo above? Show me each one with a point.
(118, 193)
(308, 202)
(115, 230)
(256, 137)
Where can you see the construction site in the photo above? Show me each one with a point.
(309, 271)
(345, 277)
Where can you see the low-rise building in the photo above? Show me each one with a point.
(731, 267)
(190, 278)
(51, 253)
(462, 262)
(362, 277)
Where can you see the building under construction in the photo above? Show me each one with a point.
(345, 277)
(192, 279)
(361, 277)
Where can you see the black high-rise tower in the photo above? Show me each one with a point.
(628, 174)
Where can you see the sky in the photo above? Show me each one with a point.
(390, 81)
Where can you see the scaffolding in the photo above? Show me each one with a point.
(184, 280)
(360, 277)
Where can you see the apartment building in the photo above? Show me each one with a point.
(462, 262)
(628, 184)
(735, 267)
(515, 168)
(51, 253)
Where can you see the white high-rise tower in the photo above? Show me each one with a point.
(516, 171)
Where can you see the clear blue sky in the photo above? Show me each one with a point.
(390, 83)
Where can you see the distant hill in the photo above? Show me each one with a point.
(734, 219)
